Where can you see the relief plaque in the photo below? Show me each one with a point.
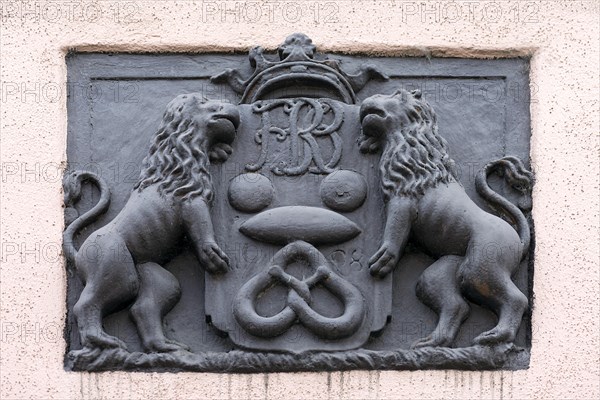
(291, 211)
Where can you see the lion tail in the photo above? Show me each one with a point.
(72, 194)
(516, 175)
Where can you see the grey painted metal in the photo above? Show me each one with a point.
(296, 207)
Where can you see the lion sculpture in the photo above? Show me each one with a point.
(170, 202)
(426, 202)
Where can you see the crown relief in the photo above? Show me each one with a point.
(297, 70)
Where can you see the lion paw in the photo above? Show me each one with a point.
(494, 336)
(432, 341)
(102, 340)
(165, 346)
(179, 345)
(384, 261)
(215, 261)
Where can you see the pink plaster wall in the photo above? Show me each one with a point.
(561, 36)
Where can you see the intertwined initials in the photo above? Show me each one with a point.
(309, 120)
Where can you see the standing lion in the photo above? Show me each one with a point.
(425, 201)
(169, 203)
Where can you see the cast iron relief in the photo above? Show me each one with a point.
(316, 214)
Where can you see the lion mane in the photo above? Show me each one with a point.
(415, 157)
(177, 159)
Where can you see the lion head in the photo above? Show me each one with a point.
(414, 155)
(192, 130)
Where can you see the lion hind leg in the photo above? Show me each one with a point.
(486, 280)
(89, 320)
(438, 289)
(509, 317)
(110, 283)
(159, 293)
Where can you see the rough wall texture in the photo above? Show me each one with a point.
(561, 36)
